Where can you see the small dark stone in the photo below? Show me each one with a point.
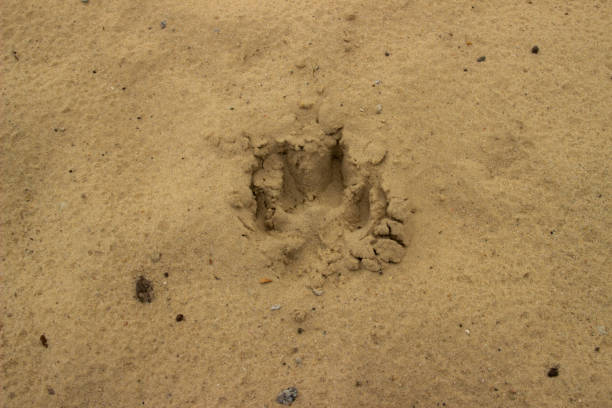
(43, 341)
(50, 391)
(553, 372)
(144, 290)
(481, 59)
(180, 317)
(287, 396)
(535, 49)
(300, 330)
(357, 383)
(163, 24)
(387, 53)
(166, 274)
(597, 349)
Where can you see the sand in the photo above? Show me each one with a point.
(206, 203)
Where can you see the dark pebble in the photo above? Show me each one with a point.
(144, 290)
(43, 341)
(535, 49)
(287, 396)
(553, 372)
(180, 317)
(481, 59)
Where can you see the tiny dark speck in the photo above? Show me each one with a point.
(535, 49)
(180, 317)
(43, 341)
(481, 59)
(553, 372)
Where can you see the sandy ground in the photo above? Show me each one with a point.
(446, 248)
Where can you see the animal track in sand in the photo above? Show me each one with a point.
(323, 208)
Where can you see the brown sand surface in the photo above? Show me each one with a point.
(436, 230)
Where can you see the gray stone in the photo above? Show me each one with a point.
(287, 396)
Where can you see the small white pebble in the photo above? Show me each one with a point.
(467, 331)
(275, 307)
(317, 292)
(378, 109)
